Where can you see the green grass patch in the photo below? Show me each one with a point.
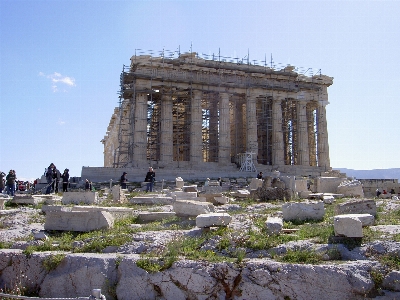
(300, 257)
(52, 261)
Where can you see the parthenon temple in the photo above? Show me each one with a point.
(198, 112)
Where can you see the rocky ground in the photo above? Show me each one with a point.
(19, 225)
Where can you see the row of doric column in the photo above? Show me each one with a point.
(139, 129)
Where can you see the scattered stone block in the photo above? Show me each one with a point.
(366, 219)
(190, 208)
(40, 236)
(25, 199)
(367, 206)
(352, 188)
(347, 225)
(179, 183)
(273, 225)
(385, 196)
(210, 197)
(78, 220)
(144, 217)
(328, 199)
(255, 183)
(392, 281)
(118, 194)
(212, 189)
(304, 194)
(241, 194)
(88, 197)
(310, 210)
(190, 188)
(2, 201)
(151, 199)
(221, 200)
(212, 220)
(178, 195)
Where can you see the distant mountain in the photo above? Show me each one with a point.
(372, 174)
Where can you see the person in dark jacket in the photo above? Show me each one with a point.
(49, 178)
(150, 178)
(124, 180)
(88, 185)
(10, 182)
(65, 178)
(56, 178)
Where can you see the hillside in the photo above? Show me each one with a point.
(372, 174)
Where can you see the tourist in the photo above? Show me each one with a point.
(260, 175)
(207, 182)
(378, 192)
(150, 178)
(10, 181)
(88, 185)
(220, 181)
(124, 180)
(65, 178)
(2, 183)
(56, 179)
(392, 191)
(384, 192)
(49, 178)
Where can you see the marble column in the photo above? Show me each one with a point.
(140, 129)
(224, 138)
(251, 118)
(196, 140)
(303, 147)
(322, 136)
(166, 148)
(277, 133)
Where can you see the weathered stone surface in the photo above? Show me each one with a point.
(366, 206)
(213, 219)
(351, 188)
(149, 216)
(116, 212)
(347, 225)
(184, 195)
(192, 208)
(78, 220)
(312, 210)
(80, 197)
(118, 194)
(152, 199)
(190, 188)
(222, 200)
(328, 199)
(241, 194)
(392, 281)
(273, 225)
(78, 274)
(25, 199)
(179, 183)
(366, 219)
(255, 183)
(265, 194)
(210, 197)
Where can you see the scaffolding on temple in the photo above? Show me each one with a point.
(181, 108)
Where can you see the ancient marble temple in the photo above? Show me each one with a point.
(192, 112)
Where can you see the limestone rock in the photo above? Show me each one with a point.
(255, 183)
(392, 281)
(80, 197)
(78, 220)
(347, 225)
(144, 217)
(118, 194)
(265, 194)
(191, 208)
(313, 210)
(366, 206)
(273, 225)
(213, 219)
(351, 188)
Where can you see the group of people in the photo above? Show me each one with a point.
(53, 177)
(150, 179)
(7, 182)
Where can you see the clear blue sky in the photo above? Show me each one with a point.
(60, 63)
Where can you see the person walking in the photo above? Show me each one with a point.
(10, 181)
(124, 180)
(2, 183)
(88, 186)
(65, 178)
(150, 178)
